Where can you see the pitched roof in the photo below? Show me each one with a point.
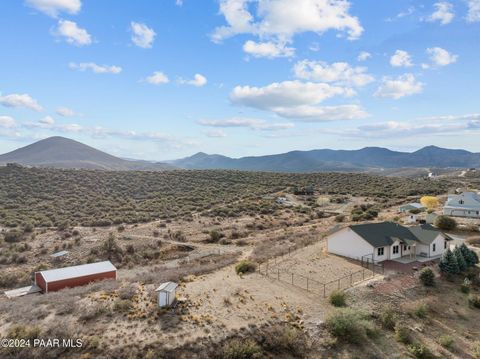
(386, 233)
(167, 287)
(382, 234)
(413, 205)
(425, 233)
(53, 275)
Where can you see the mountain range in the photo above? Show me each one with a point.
(365, 159)
(60, 152)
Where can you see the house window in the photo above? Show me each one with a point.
(434, 247)
(445, 245)
(395, 249)
(461, 201)
(380, 251)
(405, 247)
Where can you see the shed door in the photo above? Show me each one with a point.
(162, 299)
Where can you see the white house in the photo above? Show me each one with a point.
(166, 294)
(466, 204)
(386, 241)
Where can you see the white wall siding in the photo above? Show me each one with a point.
(439, 246)
(398, 254)
(384, 257)
(347, 243)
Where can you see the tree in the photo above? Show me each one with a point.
(430, 201)
(468, 255)
(427, 277)
(462, 263)
(448, 263)
(446, 223)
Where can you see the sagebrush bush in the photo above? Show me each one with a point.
(349, 325)
(241, 349)
(402, 333)
(446, 341)
(388, 318)
(474, 300)
(245, 266)
(338, 298)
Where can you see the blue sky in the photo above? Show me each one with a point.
(165, 79)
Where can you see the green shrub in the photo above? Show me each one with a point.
(338, 298)
(427, 277)
(421, 310)
(476, 349)
(466, 286)
(347, 324)
(446, 341)
(340, 218)
(388, 318)
(474, 301)
(419, 350)
(402, 334)
(245, 266)
(122, 305)
(445, 223)
(12, 236)
(20, 331)
(241, 349)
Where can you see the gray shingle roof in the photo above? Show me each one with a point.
(386, 233)
(382, 234)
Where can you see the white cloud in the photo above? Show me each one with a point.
(323, 113)
(338, 72)
(54, 7)
(7, 122)
(286, 94)
(98, 69)
(457, 124)
(268, 49)
(441, 57)
(216, 133)
(197, 81)
(404, 85)
(47, 120)
(298, 100)
(179, 2)
(142, 36)
(401, 59)
(443, 13)
(251, 123)
(279, 21)
(72, 33)
(157, 78)
(473, 14)
(66, 112)
(20, 100)
(364, 56)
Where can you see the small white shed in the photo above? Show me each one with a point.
(412, 218)
(166, 294)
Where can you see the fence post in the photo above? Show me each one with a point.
(351, 278)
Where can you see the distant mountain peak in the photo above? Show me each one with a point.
(62, 152)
